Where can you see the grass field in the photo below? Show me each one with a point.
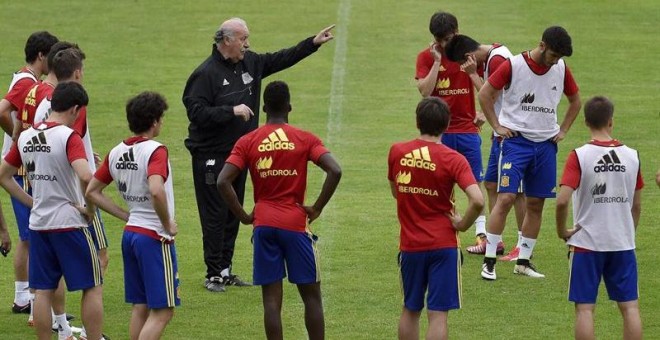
(357, 93)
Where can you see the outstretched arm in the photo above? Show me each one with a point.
(333, 175)
(225, 179)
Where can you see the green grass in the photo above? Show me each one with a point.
(133, 46)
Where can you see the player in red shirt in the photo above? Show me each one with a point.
(276, 155)
(440, 77)
(605, 181)
(422, 174)
(36, 49)
(473, 57)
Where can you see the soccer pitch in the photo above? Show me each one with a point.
(358, 94)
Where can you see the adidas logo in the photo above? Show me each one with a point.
(127, 161)
(418, 158)
(264, 163)
(506, 166)
(30, 167)
(443, 83)
(554, 88)
(37, 144)
(277, 140)
(121, 186)
(599, 189)
(403, 177)
(527, 98)
(525, 245)
(609, 162)
(225, 82)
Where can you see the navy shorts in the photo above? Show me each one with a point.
(98, 231)
(275, 248)
(531, 163)
(151, 273)
(617, 268)
(468, 145)
(71, 254)
(21, 211)
(435, 271)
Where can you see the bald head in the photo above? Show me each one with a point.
(231, 28)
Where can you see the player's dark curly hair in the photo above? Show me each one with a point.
(432, 116)
(37, 42)
(143, 110)
(277, 99)
(459, 46)
(67, 95)
(598, 111)
(558, 40)
(442, 24)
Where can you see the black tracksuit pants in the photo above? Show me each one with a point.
(219, 225)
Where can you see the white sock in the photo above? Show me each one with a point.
(224, 272)
(65, 329)
(83, 332)
(31, 307)
(21, 293)
(480, 225)
(519, 239)
(491, 245)
(526, 248)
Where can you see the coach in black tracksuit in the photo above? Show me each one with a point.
(222, 101)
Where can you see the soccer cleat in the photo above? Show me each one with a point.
(524, 267)
(16, 309)
(234, 280)
(30, 321)
(84, 337)
(479, 247)
(214, 284)
(488, 269)
(512, 255)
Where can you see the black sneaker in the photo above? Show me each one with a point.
(234, 280)
(25, 309)
(214, 284)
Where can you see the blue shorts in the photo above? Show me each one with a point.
(98, 231)
(535, 164)
(493, 160)
(274, 247)
(71, 254)
(439, 272)
(617, 268)
(468, 145)
(151, 273)
(21, 211)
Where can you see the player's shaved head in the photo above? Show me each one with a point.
(432, 116)
(277, 99)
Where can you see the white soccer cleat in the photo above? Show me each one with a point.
(488, 270)
(527, 270)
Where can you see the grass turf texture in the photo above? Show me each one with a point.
(359, 98)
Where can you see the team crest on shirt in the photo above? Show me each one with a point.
(504, 181)
(247, 78)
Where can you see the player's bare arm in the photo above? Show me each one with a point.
(333, 175)
(5, 117)
(487, 98)
(225, 179)
(5, 240)
(561, 213)
(393, 189)
(637, 207)
(427, 84)
(159, 201)
(81, 168)
(7, 181)
(475, 204)
(95, 194)
(574, 105)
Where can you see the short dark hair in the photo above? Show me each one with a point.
(460, 45)
(61, 46)
(558, 40)
(66, 62)
(598, 111)
(277, 99)
(67, 95)
(443, 24)
(143, 110)
(432, 116)
(38, 42)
